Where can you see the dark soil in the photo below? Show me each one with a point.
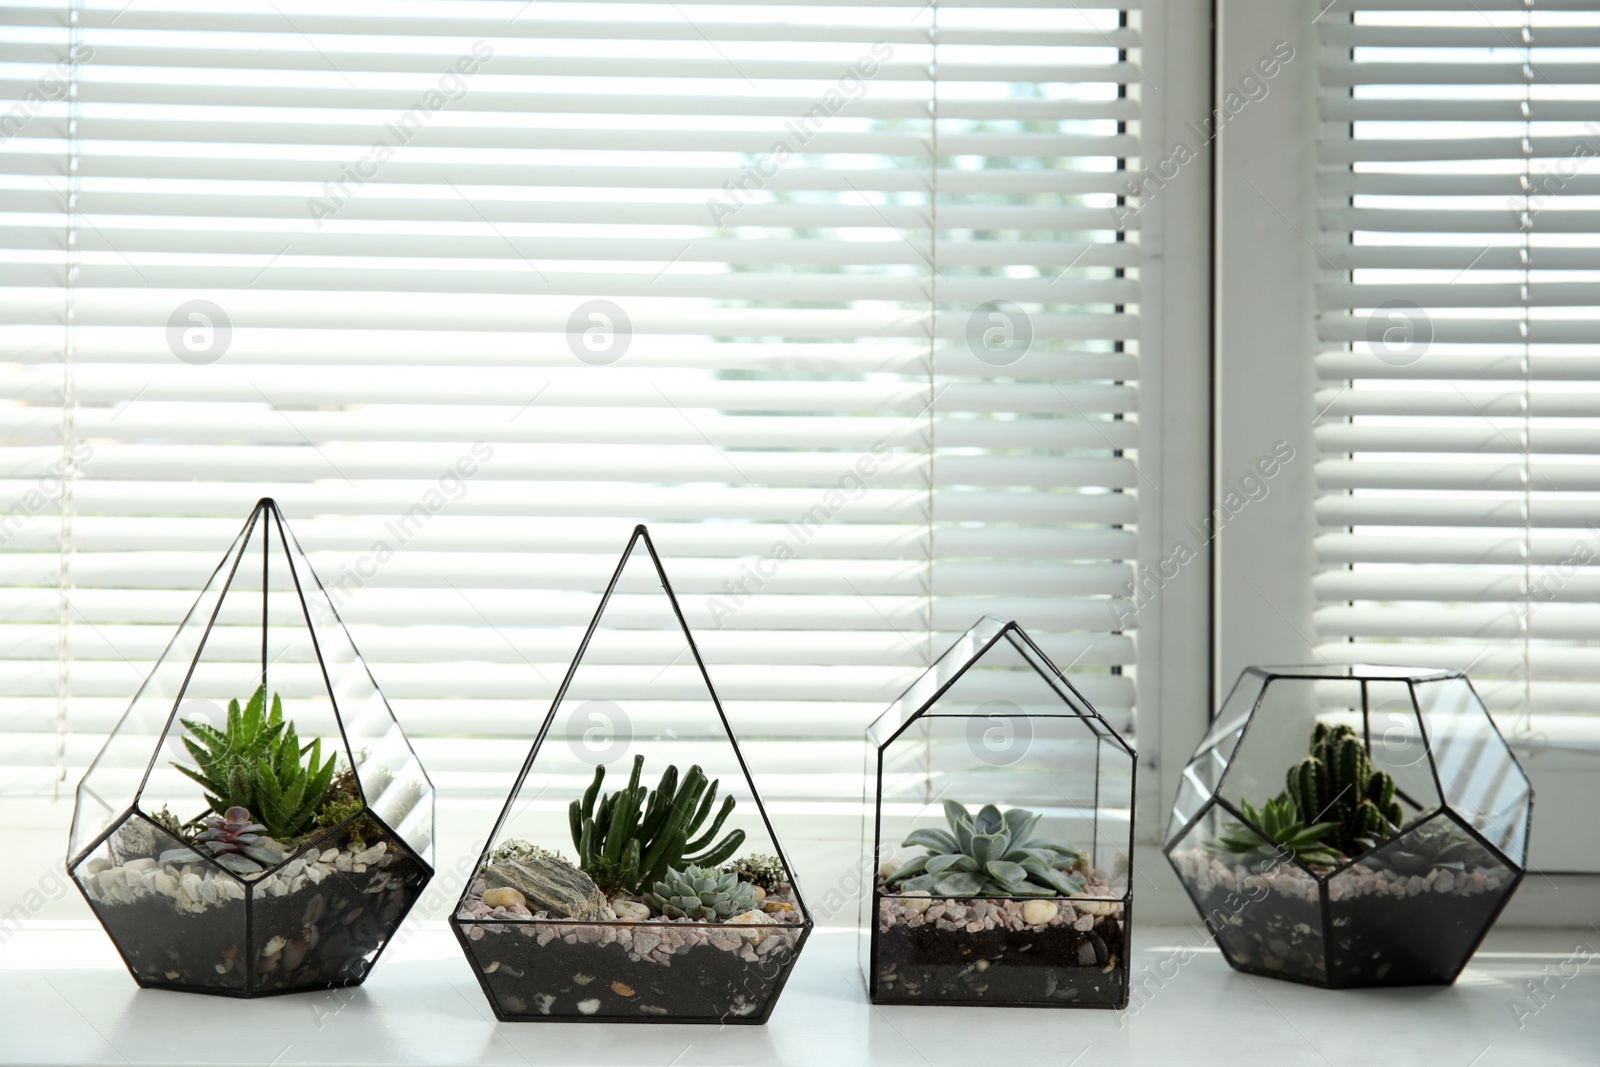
(167, 948)
(704, 984)
(1420, 940)
(1053, 966)
(1377, 940)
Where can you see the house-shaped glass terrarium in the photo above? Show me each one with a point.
(633, 875)
(997, 836)
(1351, 826)
(257, 822)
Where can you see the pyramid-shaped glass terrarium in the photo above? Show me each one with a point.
(997, 836)
(1351, 826)
(257, 822)
(633, 875)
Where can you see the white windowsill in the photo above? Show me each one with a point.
(65, 999)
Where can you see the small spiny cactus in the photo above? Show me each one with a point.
(1337, 784)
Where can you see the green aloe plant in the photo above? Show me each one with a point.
(989, 854)
(254, 763)
(1279, 820)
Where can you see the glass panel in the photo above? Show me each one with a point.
(1397, 746)
(391, 777)
(1412, 912)
(1264, 910)
(111, 785)
(1482, 781)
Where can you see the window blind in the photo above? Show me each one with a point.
(1459, 387)
(833, 296)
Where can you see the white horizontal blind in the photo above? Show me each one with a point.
(1460, 321)
(730, 269)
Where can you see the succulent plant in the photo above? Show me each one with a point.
(759, 870)
(989, 854)
(233, 840)
(701, 893)
(255, 763)
(1337, 784)
(631, 838)
(1438, 844)
(227, 759)
(1280, 821)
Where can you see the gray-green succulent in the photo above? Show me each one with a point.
(989, 854)
(701, 893)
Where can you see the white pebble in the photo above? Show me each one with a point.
(590, 1006)
(1039, 912)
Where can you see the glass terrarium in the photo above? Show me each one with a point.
(1351, 826)
(633, 875)
(257, 822)
(997, 836)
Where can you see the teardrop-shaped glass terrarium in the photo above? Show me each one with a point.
(633, 875)
(257, 822)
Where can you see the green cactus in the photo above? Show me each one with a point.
(990, 854)
(633, 837)
(701, 893)
(1337, 784)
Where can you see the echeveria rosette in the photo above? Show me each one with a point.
(233, 840)
(989, 854)
(701, 893)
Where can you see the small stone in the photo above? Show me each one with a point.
(955, 912)
(759, 893)
(143, 863)
(630, 910)
(166, 884)
(372, 854)
(622, 990)
(776, 907)
(274, 946)
(504, 897)
(96, 865)
(981, 965)
(293, 954)
(330, 856)
(752, 918)
(208, 891)
(590, 1006)
(341, 862)
(888, 869)
(915, 901)
(582, 979)
(313, 911)
(1039, 912)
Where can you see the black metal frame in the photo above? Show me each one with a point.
(1411, 677)
(640, 535)
(266, 511)
(1012, 633)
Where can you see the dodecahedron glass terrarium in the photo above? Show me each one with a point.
(677, 903)
(997, 836)
(1351, 826)
(257, 822)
